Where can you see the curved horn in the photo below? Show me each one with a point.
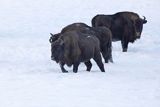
(51, 34)
(144, 18)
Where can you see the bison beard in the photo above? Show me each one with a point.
(125, 26)
(73, 47)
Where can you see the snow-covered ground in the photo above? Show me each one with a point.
(28, 78)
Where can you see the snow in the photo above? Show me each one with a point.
(28, 77)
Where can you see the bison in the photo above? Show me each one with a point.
(102, 33)
(55, 37)
(73, 47)
(125, 26)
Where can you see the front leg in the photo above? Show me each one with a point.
(98, 60)
(75, 67)
(88, 65)
(124, 45)
(62, 67)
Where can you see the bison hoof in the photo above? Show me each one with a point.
(124, 50)
(106, 61)
(65, 71)
(75, 71)
(88, 69)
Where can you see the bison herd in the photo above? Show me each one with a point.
(79, 42)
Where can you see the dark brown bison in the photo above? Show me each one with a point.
(102, 33)
(125, 26)
(74, 47)
(55, 37)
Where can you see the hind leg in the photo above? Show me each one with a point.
(98, 60)
(88, 65)
(75, 67)
(105, 57)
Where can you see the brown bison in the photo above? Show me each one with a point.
(125, 26)
(102, 33)
(74, 47)
(55, 37)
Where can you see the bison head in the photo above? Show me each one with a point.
(139, 26)
(57, 50)
(54, 37)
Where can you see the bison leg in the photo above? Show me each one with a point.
(98, 60)
(62, 67)
(105, 56)
(124, 46)
(106, 50)
(75, 67)
(88, 65)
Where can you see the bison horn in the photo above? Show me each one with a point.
(51, 34)
(144, 18)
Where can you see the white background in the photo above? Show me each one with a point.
(28, 78)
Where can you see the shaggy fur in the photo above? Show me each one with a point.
(73, 47)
